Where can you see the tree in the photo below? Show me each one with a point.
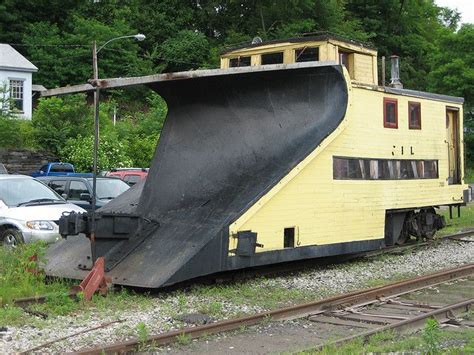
(186, 50)
(453, 74)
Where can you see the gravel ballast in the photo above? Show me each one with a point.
(162, 313)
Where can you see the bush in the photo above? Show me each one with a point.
(112, 153)
(58, 119)
(16, 133)
(141, 150)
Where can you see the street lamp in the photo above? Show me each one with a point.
(95, 51)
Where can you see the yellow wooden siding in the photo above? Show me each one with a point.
(363, 70)
(329, 211)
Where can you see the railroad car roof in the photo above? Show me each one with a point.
(310, 37)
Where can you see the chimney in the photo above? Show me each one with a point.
(395, 72)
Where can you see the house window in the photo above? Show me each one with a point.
(239, 62)
(272, 58)
(307, 54)
(16, 94)
(414, 115)
(390, 113)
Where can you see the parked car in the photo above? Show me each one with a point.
(3, 169)
(130, 175)
(78, 190)
(29, 211)
(58, 169)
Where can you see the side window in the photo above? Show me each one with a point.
(390, 113)
(307, 54)
(76, 188)
(272, 58)
(58, 186)
(414, 115)
(239, 62)
(44, 168)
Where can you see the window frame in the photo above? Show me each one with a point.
(239, 59)
(388, 100)
(282, 53)
(410, 105)
(302, 50)
(16, 88)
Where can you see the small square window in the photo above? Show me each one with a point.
(390, 113)
(272, 58)
(306, 54)
(414, 115)
(239, 62)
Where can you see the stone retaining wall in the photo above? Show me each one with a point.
(24, 161)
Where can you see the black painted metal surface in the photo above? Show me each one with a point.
(227, 140)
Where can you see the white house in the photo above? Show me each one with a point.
(16, 77)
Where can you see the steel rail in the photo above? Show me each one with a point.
(298, 311)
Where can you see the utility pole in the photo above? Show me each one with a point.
(95, 81)
(95, 153)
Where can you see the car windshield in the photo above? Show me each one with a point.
(17, 192)
(108, 189)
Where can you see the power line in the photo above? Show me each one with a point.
(48, 45)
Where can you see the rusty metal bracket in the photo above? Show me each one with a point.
(94, 281)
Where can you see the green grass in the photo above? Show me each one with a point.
(457, 224)
(430, 340)
(16, 282)
(469, 177)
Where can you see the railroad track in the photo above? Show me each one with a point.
(372, 310)
(316, 312)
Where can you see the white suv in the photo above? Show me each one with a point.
(29, 211)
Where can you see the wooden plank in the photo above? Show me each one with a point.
(368, 319)
(111, 83)
(468, 323)
(338, 321)
(406, 308)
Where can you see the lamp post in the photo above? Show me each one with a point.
(95, 51)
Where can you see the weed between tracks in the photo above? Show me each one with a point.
(431, 340)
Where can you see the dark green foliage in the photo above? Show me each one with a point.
(58, 119)
(64, 126)
(186, 50)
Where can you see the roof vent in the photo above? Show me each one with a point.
(395, 72)
(256, 40)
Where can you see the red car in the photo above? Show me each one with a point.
(130, 175)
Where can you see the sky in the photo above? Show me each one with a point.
(465, 7)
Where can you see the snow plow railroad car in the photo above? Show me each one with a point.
(290, 151)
